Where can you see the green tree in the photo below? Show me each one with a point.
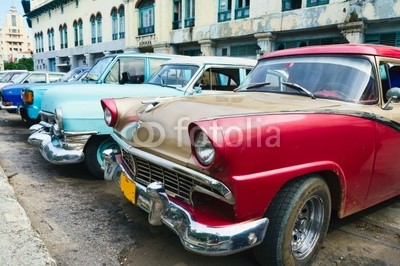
(23, 63)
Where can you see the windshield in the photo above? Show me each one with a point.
(98, 68)
(20, 77)
(10, 76)
(176, 76)
(346, 78)
(71, 75)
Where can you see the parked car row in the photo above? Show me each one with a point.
(231, 153)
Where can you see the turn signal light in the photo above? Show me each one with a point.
(28, 97)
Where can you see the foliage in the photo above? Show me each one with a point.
(23, 63)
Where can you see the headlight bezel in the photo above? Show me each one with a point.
(203, 148)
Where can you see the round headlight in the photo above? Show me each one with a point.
(58, 118)
(204, 149)
(107, 116)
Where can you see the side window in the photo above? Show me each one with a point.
(390, 77)
(221, 79)
(155, 65)
(54, 77)
(113, 75)
(132, 70)
(36, 78)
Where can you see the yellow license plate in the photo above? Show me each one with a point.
(128, 188)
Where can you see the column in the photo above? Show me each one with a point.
(266, 42)
(72, 61)
(164, 48)
(353, 31)
(207, 47)
(89, 58)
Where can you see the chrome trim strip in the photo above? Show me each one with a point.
(224, 190)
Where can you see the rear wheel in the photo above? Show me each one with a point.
(299, 219)
(94, 153)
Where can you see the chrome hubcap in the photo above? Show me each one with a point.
(308, 226)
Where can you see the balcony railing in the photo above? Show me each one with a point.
(176, 24)
(122, 35)
(189, 22)
(242, 12)
(224, 16)
(146, 30)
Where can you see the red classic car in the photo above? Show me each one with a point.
(312, 131)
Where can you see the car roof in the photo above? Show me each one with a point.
(217, 60)
(366, 49)
(152, 55)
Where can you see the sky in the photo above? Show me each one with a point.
(5, 7)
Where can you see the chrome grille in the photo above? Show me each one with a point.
(176, 184)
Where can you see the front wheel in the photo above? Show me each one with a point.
(94, 153)
(299, 218)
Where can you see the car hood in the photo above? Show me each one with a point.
(83, 100)
(172, 117)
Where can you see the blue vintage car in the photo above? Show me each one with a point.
(123, 68)
(11, 94)
(72, 129)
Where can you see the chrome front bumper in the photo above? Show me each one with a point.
(51, 149)
(8, 108)
(195, 237)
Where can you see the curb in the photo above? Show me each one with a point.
(20, 244)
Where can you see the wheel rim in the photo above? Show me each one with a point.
(107, 144)
(308, 226)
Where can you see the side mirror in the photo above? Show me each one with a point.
(392, 95)
(197, 90)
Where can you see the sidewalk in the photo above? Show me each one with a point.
(19, 243)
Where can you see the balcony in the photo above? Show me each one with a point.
(224, 16)
(242, 12)
(189, 22)
(146, 30)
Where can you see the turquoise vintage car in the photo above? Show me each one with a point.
(123, 68)
(72, 129)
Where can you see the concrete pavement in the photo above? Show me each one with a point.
(20, 244)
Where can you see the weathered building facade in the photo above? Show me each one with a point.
(245, 28)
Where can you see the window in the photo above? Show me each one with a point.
(93, 28)
(224, 10)
(392, 38)
(127, 71)
(146, 17)
(63, 36)
(50, 36)
(36, 78)
(114, 23)
(177, 15)
(121, 17)
(13, 20)
(76, 36)
(244, 50)
(308, 42)
(78, 32)
(317, 2)
(189, 14)
(291, 4)
(99, 30)
(40, 46)
(242, 9)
